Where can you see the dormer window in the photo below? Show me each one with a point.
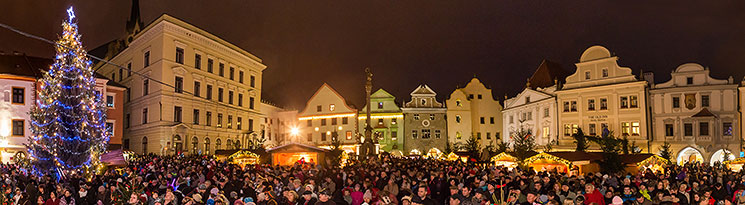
(332, 107)
(424, 101)
(380, 105)
(689, 80)
(587, 75)
(605, 72)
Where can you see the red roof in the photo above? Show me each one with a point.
(704, 113)
(546, 73)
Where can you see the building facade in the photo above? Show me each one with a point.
(425, 123)
(599, 95)
(209, 96)
(534, 109)
(278, 125)
(473, 112)
(697, 114)
(387, 121)
(327, 114)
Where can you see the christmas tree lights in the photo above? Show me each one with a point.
(68, 120)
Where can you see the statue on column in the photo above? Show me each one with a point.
(367, 147)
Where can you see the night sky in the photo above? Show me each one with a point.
(407, 43)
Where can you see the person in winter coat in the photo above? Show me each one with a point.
(593, 195)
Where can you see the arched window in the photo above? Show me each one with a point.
(207, 145)
(238, 144)
(178, 144)
(218, 142)
(194, 145)
(229, 145)
(144, 145)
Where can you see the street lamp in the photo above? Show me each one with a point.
(294, 131)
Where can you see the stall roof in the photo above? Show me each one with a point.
(295, 147)
(634, 158)
(578, 156)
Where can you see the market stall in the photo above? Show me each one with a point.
(569, 162)
(289, 154)
(504, 159)
(633, 163)
(244, 157)
(735, 165)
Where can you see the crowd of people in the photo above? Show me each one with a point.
(186, 180)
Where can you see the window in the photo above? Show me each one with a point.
(669, 130)
(416, 116)
(727, 128)
(309, 123)
(145, 86)
(144, 145)
(210, 64)
(488, 135)
(478, 135)
(431, 116)
(593, 130)
(333, 121)
(481, 120)
(113, 76)
(195, 116)
(349, 135)
(546, 132)
(380, 121)
(703, 128)
(319, 108)
(219, 119)
(208, 120)
(704, 100)
(676, 102)
(566, 106)
(491, 120)
(567, 129)
(525, 116)
(380, 105)
(545, 112)
(688, 129)
(197, 88)
(530, 116)
(424, 101)
(144, 116)
(218, 144)
(575, 128)
(332, 107)
(252, 81)
(634, 102)
(207, 145)
(209, 92)
(250, 101)
(587, 75)
(527, 100)
(323, 122)
(221, 70)
(147, 58)
(689, 80)
(180, 55)
(18, 128)
(591, 104)
(232, 73)
(129, 69)
(625, 128)
(479, 96)
(219, 94)
(635, 129)
(177, 114)
(179, 85)
(574, 106)
(230, 121)
(344, 120)
(109, 101)
(413, 134)
(198, 62)
(437, 134)
(239, 122)
(624, 102)
(240, 76)
(603, 104)
(470, 96)
(230, 97)
(127, 120)
(393, 121)
(425, 134)
(323, 136)
(605, 72)
(458, 103)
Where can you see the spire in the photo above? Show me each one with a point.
(134, 24)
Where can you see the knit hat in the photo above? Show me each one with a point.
(617, 200)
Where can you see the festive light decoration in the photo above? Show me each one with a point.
(547, 157)
(68, 120)
(653, 160)
(315, 117)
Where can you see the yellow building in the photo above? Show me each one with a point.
(473, 112)
(601, 94)
(327, 114)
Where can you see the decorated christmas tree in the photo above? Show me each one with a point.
(68, 120)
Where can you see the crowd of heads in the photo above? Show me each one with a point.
(150, 179)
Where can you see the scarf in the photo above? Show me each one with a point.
(83, 193)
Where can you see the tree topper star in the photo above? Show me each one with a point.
(70, 13)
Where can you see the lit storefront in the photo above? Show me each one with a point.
(289, 154)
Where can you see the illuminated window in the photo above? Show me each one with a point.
(625, 128)
(380, 105)
(239, 124)
(332, 107)
(545, 112)
(624, 102)
(567, 129)
(219, 119)
(635, 129)
(593, 130)
(458, 135)
(634, 102)
(109, 101)
(574, 106)
(575, 128)
(349, 135)
(546, 132)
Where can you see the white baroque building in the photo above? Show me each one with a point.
(209, 96)
(473, 112)
(534, 109)
(601, 94)
(697, 114)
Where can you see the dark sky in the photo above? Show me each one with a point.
(407, 43)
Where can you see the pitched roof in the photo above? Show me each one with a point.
(634, 158)
(294, 145)
(423, 90)
(546, 73)
(704, 113)
(577, 156)
(23, 65)
(381, 94)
